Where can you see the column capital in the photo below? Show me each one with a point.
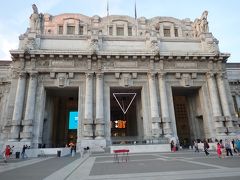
(162, 75)
(151, 75)
(99, 75)
(89, 75)
(210, 75)
(221, 75)
(22, 75)
(33, 74)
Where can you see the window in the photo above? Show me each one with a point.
(60, 29)
(70, 29)
(176, 32)
(81, 30)
(129, 31)
(166, 32)
(120, 31)
(110, 30)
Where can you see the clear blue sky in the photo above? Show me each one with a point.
(223, 17)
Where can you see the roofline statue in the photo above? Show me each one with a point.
(35, 20)
(200, 25)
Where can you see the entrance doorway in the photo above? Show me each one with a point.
(188, 115)
(61, 117)
(126, 113)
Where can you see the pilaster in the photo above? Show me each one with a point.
(88, 112)
(164, 106)
(27, 123)
(216, 109)
(154, 106)
(99, 122)
(18, 107)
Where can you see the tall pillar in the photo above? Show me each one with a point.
(154, 106)
(27, 123)
(88, 112)
(224, 102)
(216, 109)
(18, 107)
(99, 132)
(164, 106)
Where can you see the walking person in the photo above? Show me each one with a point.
(206, 147)
(23, 151)
(228, 148)
(196, 146)
(7, 153)
(219, 151)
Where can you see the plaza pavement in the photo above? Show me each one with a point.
(147, 166)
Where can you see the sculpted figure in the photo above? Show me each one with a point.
(204, 22)
(34, 19)
(200, 25)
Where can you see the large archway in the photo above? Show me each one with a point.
(61, 117)
(188, 115)
(126, 114)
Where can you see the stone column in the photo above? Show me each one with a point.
(216, 110)
(164, 106)
(224, 102)
(27, 123)
(88, 112)
(154, 106)
(99, 132)
(18, 107)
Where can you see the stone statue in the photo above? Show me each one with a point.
(204, 22)
(200, 25)
(34, 19)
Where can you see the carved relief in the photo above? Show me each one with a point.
(94, 47)
(81, 64)
(155, 47)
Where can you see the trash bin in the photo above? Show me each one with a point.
(58, 153)
(17, 155)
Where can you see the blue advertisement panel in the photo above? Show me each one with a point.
(73, 120)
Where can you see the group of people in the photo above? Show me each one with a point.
(223, 148)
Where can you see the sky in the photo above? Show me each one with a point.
(223, 17)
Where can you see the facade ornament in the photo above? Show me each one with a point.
(213, 46)
(94, 46)
(155, 47)
(35, 19)
(200, 25)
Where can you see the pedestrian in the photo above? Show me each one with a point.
(7, 153)
(23, 151)
(219, 152)
(206, 147)
(196, 146)
(228, 148)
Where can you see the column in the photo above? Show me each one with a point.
(27, 123)
(99, 133)
(164, 106)
(216, 110)
(154, 106)
(224, 102)
(88, 116)
(18, 107)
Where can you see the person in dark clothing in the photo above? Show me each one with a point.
(206, 147)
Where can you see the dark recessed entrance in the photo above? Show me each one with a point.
(61, 117)
(125, 105)
(188, 115)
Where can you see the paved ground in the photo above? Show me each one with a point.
(148, 166)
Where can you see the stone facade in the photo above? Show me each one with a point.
(162, 57)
